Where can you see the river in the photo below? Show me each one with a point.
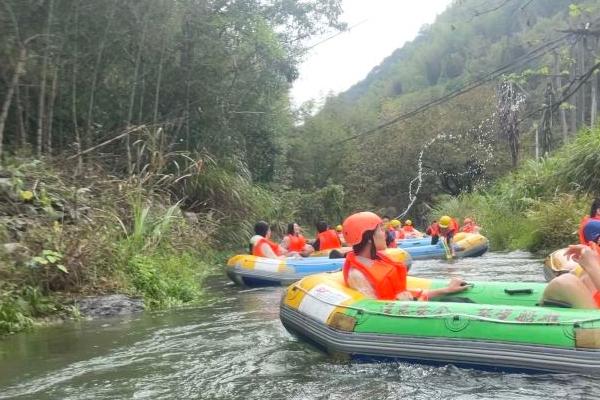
(234, 347)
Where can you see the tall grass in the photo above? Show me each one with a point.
(165, 262)
(225, 192)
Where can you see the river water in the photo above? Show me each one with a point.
(234, 347)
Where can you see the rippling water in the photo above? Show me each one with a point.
(234, 347)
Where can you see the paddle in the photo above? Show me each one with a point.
(446, 248)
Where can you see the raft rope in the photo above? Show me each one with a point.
(447, 315)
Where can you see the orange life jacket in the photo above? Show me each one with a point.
(436, 230)
(388, 278)
(433, 229)
(454, 225)
(408, 228)
(296, 243)
(469, 228)
(329, 240)
(257, 251)
(400, 235)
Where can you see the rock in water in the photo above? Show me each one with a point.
(108, 306)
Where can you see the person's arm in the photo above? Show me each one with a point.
(449, 238)
(316, 245)
(358, 281)
(456, 285)
(267, 251)
(285, 243)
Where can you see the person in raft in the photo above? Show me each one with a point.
(295, 242)
(371, 272)
(396, 225)
(589, 228)
(262, 246)
(577, 292)
(327, 238)
(469, 226)
(409, 230)
(390, 232)
(434, 227)
(445, 228)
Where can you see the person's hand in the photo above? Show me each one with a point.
(586, 256)
(456, 285)
(404, 296)
(294, 254)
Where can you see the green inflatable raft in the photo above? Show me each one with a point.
(491, 325)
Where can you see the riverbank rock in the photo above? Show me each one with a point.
(108, 306)
(15, 251)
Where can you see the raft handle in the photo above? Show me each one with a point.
(518, 291)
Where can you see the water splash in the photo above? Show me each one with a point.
(483, 134)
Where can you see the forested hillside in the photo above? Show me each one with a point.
(489, 84)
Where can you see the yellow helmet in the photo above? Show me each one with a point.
(444, 221)
(408, 222)
(395, 223)
(338, 228)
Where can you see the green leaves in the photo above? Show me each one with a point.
(49, 259)
(575, 10)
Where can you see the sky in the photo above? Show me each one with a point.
(381, 27)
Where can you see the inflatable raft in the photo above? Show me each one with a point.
(464, 244)
(557, 264)
(248, 270)
(492, 325)
(405, 243)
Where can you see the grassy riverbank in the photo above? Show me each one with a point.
(63, 237)
(537, 207)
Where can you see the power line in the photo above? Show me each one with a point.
(335, 35)
(478, 13)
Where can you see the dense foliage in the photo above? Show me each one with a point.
(207, 75)
(477, 132)
(153, 126)
(539, 206)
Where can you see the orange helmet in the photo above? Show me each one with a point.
(357, 224)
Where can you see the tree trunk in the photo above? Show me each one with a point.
(594, 92)
(158, 83)
(558, 92)
(22, 141)
(50, 121)
(142, 94)
(582, 108)
(42, 97)
(187, 54)
(19, 70)
(90, 114)
(78, 147)
(573, 110)
(136, 72)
